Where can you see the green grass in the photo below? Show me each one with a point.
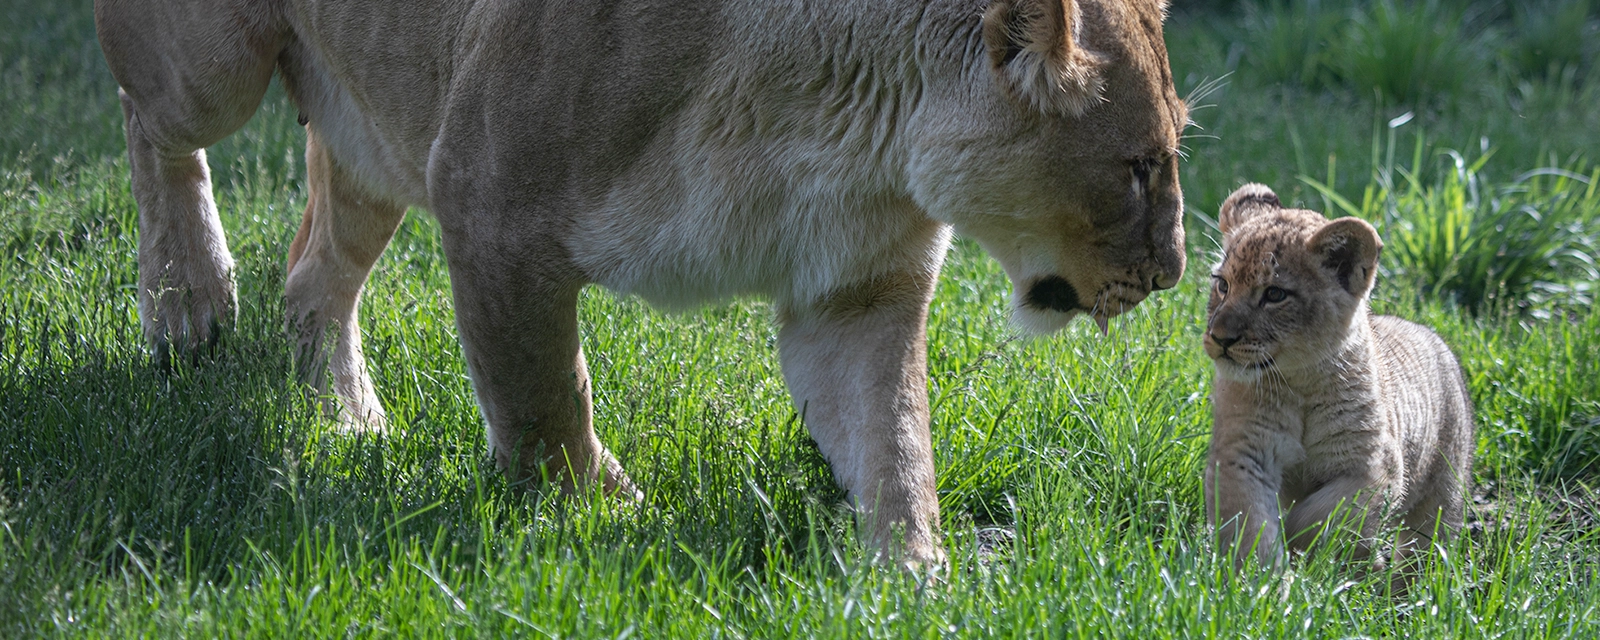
(1281, 109)
(1406, 52)
(215, 500)
(1531, 244)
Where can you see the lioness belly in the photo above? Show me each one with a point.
(372, 79)
(374, 156)
(681, 237)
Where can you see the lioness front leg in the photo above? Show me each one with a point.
(186, 293)
(191, 73)
(518, 321)
(856, 365)
(345, 229)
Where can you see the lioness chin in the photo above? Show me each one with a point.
(816, 152)
(1347, 421)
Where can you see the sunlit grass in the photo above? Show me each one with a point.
(217, 500)
(1527, 244)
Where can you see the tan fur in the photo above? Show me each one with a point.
(817, 152)
(1346, 421)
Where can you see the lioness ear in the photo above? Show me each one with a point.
(1348, 248)
(1033, 46)
(1246, 202)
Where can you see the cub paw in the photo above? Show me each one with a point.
(921, 558)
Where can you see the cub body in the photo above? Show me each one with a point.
(1326, 418)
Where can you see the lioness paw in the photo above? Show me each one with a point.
(187, 315)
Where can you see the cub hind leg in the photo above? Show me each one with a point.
(345, 229)
(1355, 506)
(190, 74)
(1440, 507)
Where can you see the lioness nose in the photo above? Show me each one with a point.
(1168, 271)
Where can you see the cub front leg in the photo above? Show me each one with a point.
(1350, 504)
(856, 365)
(1242, 506)
(1251, 445)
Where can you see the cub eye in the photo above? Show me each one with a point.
(1274, 294)
(1222, 284)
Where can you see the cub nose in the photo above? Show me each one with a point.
(1224, 341)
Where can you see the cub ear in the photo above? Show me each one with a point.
(1033, 46)
(1348, 248)
(1246, 202)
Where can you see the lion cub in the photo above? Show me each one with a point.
(1325, 417)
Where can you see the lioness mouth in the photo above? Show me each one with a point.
(1053, 293)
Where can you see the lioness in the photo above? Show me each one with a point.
(816, 152)
(1339, 417)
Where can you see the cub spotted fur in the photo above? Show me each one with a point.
(1326, 417)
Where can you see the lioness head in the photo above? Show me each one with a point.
(1289, 285)
(1058, 154)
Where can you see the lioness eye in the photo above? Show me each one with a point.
(1140, 169)
(1274, 294)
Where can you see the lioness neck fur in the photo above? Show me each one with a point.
(817, 152)
(1345, 419)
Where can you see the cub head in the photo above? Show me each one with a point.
(1290, 283)
(1057, 152)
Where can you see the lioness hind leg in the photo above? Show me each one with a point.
(856, 365)
(344, 230)
(190, 73)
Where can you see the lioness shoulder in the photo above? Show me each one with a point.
(1350, 421)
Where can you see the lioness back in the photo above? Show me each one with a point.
(1349, 421)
